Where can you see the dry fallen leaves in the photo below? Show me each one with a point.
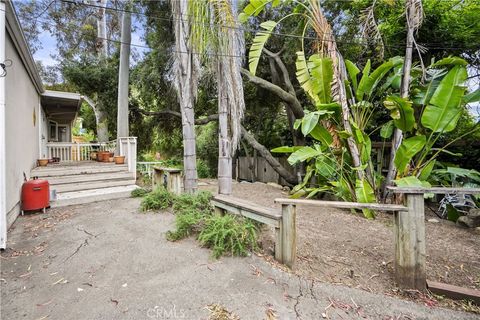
(218, 312)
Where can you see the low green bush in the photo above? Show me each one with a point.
(199, 201)
(139, 192)
(158, 199)
(228, 234)
(190, 210)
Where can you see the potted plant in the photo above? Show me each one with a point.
(119, 159)
(42, 162)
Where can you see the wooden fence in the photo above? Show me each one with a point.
(258, 169)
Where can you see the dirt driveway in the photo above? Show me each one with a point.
(106, 260)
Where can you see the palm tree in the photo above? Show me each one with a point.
(186, 70)
(216, 37)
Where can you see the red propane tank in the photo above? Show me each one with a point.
(35, 195)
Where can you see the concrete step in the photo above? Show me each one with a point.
(77, 178)
(93, 195)
(68, 171)
(88, 185)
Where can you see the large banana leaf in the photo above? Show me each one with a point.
(286, 149)
(353, 72)
(363, 85)
(449, 61)
(401, 112)
(443, 111)
(386, 130)
(321, 134)
(321, 70)
(379, 73)
(473, 96)
(365, 194)
(303, 154)
(412, 181)
(407, 150)
(254, 8)
(259, 43)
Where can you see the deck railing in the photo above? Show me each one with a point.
(77, 151)
(146, 167)
(127, 146)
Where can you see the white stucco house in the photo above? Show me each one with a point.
(30, 116)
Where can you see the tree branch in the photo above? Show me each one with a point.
(265, 153)
(285, 96)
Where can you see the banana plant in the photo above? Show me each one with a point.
(438, 104)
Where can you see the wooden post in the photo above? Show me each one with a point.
(278, 244)
(410, 244)
(289, 235)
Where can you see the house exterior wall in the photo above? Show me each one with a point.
(22, 128)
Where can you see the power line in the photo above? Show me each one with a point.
(171, 19)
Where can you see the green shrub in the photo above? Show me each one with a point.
(199, 201)
(190, 210)
(158, 199)
(228, 235)
(203, 170)
(139, 192)
(186, 224)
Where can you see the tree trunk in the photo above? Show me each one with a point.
(224, 143)
(102, 43)
(102, 124)
(123, 76)
(231, 104)
(404, 91)
(284, 173)
(186, 69)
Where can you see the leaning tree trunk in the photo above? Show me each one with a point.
(186, 69)
(102, 124)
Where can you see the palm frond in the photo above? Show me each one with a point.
(369, 29)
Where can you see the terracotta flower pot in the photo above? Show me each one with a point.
(42, 162)
(110, 159)
(103, 156)
(119, 159)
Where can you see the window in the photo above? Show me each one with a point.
(52, 131)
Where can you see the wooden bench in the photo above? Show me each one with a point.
(281, 221)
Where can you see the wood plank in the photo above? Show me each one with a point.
(278, 244)
(410, 252)
(289, 235)
(436, 190)
(240, 203)
(454, 292)
(247, 213)
(343, 204)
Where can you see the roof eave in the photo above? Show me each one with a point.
(15, 31)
